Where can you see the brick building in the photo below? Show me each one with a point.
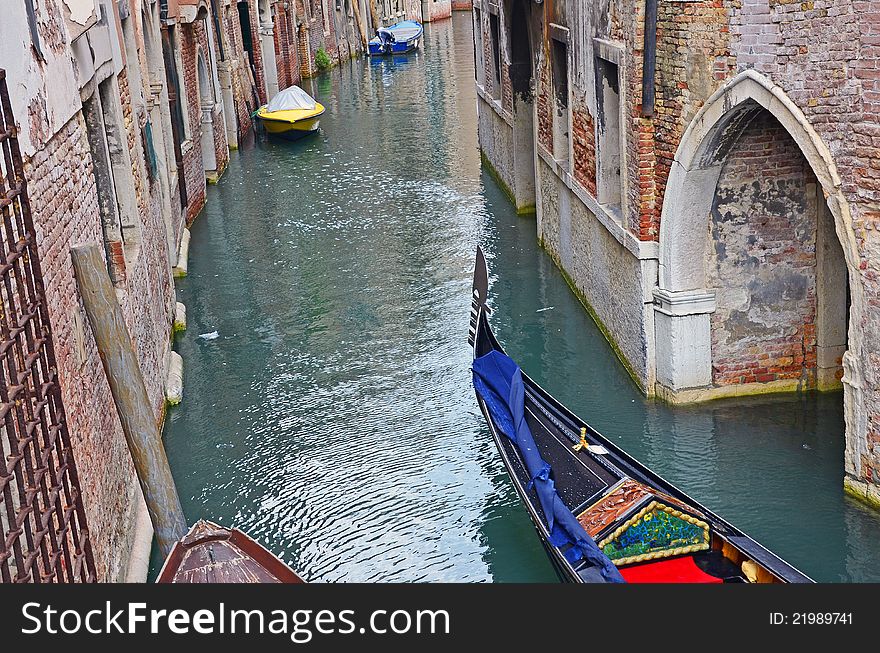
(121, 120)
(705, 173)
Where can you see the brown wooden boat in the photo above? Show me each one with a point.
(212, 554)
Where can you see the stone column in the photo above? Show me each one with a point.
(270, 67)
(683, 340)
(209, 152)
(224, 75)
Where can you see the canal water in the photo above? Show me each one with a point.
(328, 406)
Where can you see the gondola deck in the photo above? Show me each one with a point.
(649, 529)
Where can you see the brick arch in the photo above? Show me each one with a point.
(683, 304)
(697, 165)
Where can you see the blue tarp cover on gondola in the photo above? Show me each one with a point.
(498, 380)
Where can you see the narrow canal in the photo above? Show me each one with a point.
(328, 407)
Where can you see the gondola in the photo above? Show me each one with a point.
(601, 515)
(212, 554)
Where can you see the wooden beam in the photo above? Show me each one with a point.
(130, 395)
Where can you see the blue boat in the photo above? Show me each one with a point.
(396, 39)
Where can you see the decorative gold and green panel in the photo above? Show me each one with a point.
(656, 531)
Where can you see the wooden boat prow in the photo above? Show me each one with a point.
(209, 553)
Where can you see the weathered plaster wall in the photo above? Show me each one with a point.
(762, 261)
(496, 142)
(606, 276)
(41, 114)
(436, 10)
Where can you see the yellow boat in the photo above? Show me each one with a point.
(292, 113)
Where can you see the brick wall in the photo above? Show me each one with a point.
(193, 167)
(584, 145)
(286, 54)
(544, 105)
(257, 53)
(311, 35)
(242, 92)
(763, 260)
(64, 204)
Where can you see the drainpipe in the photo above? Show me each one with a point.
(649, 63)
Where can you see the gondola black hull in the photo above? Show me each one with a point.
(564, 571)
(584, 478)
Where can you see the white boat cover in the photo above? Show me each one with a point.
(293, 97)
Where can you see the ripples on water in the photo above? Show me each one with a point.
(333, 418)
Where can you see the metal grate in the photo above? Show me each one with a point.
(43, 534)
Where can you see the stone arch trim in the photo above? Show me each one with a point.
(203, 79)
(695, 170)
(682, 303)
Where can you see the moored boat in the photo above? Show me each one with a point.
(601, 515)
(212, 554)
(396, 39)
(292, 113)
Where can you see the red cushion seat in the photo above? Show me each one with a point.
(672, 570)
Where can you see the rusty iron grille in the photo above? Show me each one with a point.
(43, 534)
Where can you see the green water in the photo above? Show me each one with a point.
(328, 409)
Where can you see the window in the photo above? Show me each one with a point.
(559, 67)
(108, 143)
(218, 32)
(608, 136)
(104, 182)
(32, 26)
(178, 125)
(176, 96)
(496, 55)
(247, 37)
(135, 83)
(117, 146)
(206, 87)
(326, 13)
